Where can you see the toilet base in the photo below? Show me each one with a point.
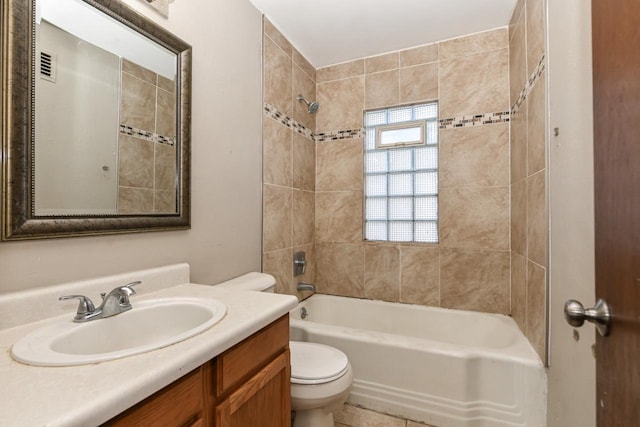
(313, 418)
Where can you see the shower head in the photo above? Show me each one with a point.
(312, 106)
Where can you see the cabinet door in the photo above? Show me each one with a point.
(263, 401)
(177, 405)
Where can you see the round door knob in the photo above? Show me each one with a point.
(600, 315)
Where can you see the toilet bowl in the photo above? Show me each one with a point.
(321, 375)
(321, 378)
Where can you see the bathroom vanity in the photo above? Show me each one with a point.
(247, 385)
(232, 374)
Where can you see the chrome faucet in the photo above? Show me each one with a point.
(306, 287)
(115, 302)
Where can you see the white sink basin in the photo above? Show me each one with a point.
(149, 325)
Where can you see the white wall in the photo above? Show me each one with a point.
(226, 166)
(572, 272)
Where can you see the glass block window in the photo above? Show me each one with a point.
(401, 181)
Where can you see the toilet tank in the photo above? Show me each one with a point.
(254, 281)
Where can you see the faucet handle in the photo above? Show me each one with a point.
(130, 286)
(84, 307)
(126, 291)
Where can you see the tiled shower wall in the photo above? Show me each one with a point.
(288, 161)
(528, 173)
(470, 267)
(146, 143)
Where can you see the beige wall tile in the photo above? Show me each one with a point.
(303, 217)
(536, 219)
(166, 84)
(340, 71)
(475, 280)
(519, 143)
(166, 113)
(339, 165)
(536, 307)
(519, 290)
(344, 101)
(381, 89)
(375, 64)
(135, 200)
(419, 55)
(535, 33)
(138, 103)
(340, 269)
(339, 216)
(517, 60)
(276, 36)
(474, 217)
(519, 217)
(278, 78)
(474, 84)
(415, 424)
(475, 156)
(277, 203)
(475, 43)
(302, 62)
(139, 71)
(536, 129)
(280, 265)
(305, 86)
(382, 272)
(165, 167)
(360, 417)
(135, 162)
(276, 148)
(304, 162)
(419, 83)
(164, 202)
(517, 12)
(420, 275)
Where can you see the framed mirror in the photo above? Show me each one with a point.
(95, 112)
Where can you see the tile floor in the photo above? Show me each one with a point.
(353, 416)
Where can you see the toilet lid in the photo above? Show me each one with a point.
(313, 363)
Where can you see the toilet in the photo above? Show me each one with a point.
(321, 375)
(321, 378)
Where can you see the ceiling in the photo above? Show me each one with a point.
(328, 32)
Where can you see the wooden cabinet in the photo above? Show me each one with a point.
(263, 401)
(246, 386)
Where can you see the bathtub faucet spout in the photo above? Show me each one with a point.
(306, 287)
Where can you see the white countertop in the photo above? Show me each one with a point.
(89, 395)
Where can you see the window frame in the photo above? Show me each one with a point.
(420, 124)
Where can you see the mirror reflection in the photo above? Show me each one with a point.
(105, 116)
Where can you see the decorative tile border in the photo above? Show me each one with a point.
(271, 111)
(529, 85)
(448, 123)
(475, 120)
(146, 135)
(338, 135)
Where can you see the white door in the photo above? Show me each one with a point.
(572, 391)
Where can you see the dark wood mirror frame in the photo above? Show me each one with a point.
(17, 219)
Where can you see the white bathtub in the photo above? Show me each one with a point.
(448, 368)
